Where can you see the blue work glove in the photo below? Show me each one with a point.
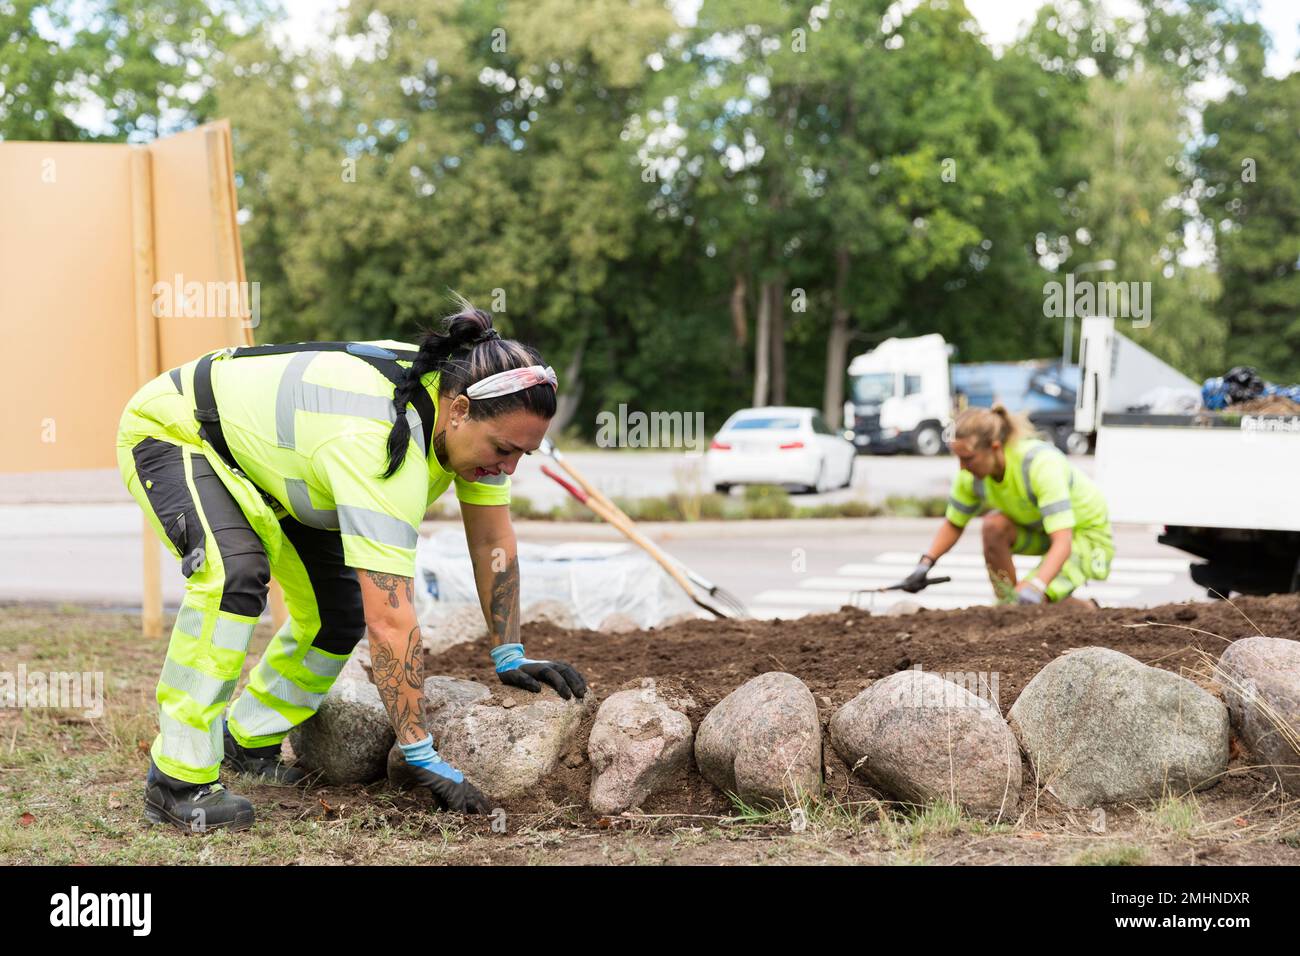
(519, 671)
(450, 789)
(1028, 593)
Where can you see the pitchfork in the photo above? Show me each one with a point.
(854, 598)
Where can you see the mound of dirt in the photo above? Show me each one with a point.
(839, 654)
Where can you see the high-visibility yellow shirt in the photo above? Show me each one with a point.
(1039, 488)
(311, 430)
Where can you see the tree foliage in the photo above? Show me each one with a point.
(701, 216)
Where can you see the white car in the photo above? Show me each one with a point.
(779, 446)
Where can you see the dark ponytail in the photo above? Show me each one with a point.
(466, 349)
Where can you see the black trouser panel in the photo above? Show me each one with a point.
(338, 593)
(161, 468)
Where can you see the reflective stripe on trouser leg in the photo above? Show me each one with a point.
(204, 658)
(293, 677)
(284, 689)
(209, 641)
(226, 573)
(206, 652)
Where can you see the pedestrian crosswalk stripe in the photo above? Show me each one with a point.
(975, 559)
(969, 585)
(976, 588)
(892, 573)
(835, 596)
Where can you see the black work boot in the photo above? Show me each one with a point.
(263, 764)
(192, 807)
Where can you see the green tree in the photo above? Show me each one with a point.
(856, 156)
(474, 146)
(111, 70)
(1250, 166)
(1132, 211)
(1128, 190)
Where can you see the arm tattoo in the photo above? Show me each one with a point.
(390, 583)
(395, 679)
(505, 603)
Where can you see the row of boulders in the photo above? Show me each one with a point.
(1096, 725)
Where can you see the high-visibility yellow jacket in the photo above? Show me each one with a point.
(1039, 489)
(311, 430)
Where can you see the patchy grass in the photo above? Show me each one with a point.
(901, 834)
(907, 826)
(1179, 815)
(1116, 855)
(756, 503)
(909, 506)
(813, 815)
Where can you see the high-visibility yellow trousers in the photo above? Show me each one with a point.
(1091, 552)
(231, 541)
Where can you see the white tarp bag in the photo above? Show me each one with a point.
(593, 579)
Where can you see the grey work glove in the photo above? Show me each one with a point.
(916, 580)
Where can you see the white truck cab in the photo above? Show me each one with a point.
(900, 396)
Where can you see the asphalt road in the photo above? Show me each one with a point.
(788, 570)
(93, 554)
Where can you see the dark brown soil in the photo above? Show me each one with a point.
(837, 655)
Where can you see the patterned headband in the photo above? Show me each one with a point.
(512, 380)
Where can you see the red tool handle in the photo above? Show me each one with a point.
(571, 489)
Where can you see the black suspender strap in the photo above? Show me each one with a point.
(383, 359)
(205, 411)
(359, 349)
